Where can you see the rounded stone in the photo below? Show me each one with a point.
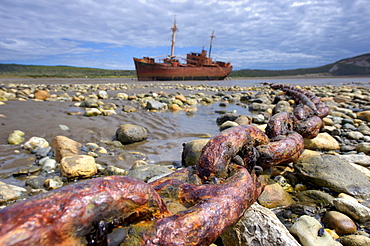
(36, 143)
(41, 95)
(89, 112)
(323, 141)
(130, 133)
(363, 147)
(16, 137)
(341, 223)
(275, 196)
(228, 124)
(192, 150)
(83, 166)
(364, 115)
(112, 170)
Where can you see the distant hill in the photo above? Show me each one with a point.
(355, 66)
(61, 71)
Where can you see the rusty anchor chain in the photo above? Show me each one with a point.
(214, 194)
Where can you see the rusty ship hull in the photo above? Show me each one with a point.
(197, 66)
(147, 71)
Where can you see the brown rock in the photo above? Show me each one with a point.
(355, 240)
(175, 107)
(275, 196)
(82, 166)
(323, 141)
(181, 98)
(41, 94)
(64, 147)
(341, 223)
(364, 115)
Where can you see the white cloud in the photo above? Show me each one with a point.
(290, 31)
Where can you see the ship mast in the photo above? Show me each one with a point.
(174, 29)
(210, 45)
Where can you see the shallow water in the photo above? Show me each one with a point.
(167, 130)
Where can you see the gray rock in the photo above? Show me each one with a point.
(227, 125)
(130, 133)
(155, 105)
(364, 129)
(355, 135)
(112, 170)
(307, 229)
(36, 183)
(227, 117)
(128, 109)
(48, 164)
(191, 151)
(53, 183)
(10, 192)
(363, 147)
(363, 160)
(317, 197)
(89, 103)
(144, 173)
(258, 227)
(36, 143)
(348, 126)
(103, 95)
(42, 152)
(355, 240)
(353, 209)
(258, 119)
(259, 107)
(334, 173)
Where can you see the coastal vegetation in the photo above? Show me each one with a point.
(354, 66)
(11, 70)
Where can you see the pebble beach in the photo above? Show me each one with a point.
(323, 198)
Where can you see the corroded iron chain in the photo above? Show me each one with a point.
(214, 194)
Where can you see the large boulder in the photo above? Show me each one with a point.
(130, 133)
(258, 226)
(334, 173)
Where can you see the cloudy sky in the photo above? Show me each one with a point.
(251, 34)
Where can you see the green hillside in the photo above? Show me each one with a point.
(355, 66)
(61, 71)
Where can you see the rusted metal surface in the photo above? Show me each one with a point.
(279, 124)
(281, 151)
(309, 128)
(219, 150)
(218, 206)
(66, 215)
(214, 193)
